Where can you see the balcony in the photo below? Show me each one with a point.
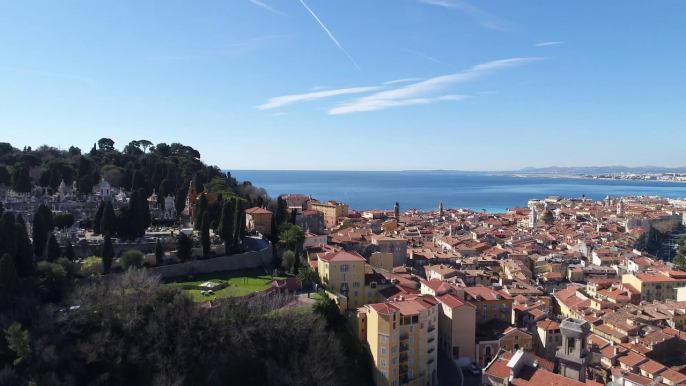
(403, 357)
(404, 337)
(431, 339)
(403, 369)
(431, 329)
(404, 347)
(429, 351)
(430, 361)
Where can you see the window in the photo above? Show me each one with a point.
(485, 317)
(383, 338)
(345, 277)
(504, 347)
(344, 268)
(516, 336)
(383, 363)
(394, 360)
(411, 351)
(383, 374)
(411, 362)
(356, 294)
(383, 350)
(488, 350)
(411, 328)
(411, 374)
(485, 306)
(395, 337)
(411, 340)
(394, 349)
(363, 330)
(356, 284)
(369, 294)
(495, 307)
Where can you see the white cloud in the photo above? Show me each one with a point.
(331, 35)
(404, 80)
(315, 88)
(384, 104)
(288, 99)
(420, 90)
(548, 44)
(482, 17)
(268, 8)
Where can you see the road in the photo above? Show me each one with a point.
(448, 375)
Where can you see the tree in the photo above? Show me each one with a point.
(8, 234)
(205, 234)
(5, 177)
(92, 266)
(108, 223)
(138, 180)
(40, 235)
(47, 217)
(200, 208)
(9, 282)
(288, 260)
(145, 209)
(22, 181)
(55, 177)
(23, 260)
(291, 238)
(239, 212)
(98, 217)
(159, 253)
(69, 252)
(164, 191)
(132, 259)
(19, 342)
(107, 254)
(145, 144)
(680, 260)
(105, 144)
(306, 277)
(63, 220)
(180, 200)
(2, 209)
(53, 249)
(281, 211)
(136, 220)
(54, 278)
(293, 217)
(184, 247)
(226, 225)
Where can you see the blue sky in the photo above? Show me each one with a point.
(352, 84)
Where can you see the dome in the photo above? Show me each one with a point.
(546, 217)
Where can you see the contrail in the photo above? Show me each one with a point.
(331, 36)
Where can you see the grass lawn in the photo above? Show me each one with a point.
(239, 283)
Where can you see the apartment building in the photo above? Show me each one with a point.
(456, 328)
(402, 339)
(490, 304)
(656, 284)
(332, 211)
(344, 273)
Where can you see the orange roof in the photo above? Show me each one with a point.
(530, 376)
(342, 256)
(257, 210)
(452, 301)
(499, 367)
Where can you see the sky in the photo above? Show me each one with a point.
(352, 84)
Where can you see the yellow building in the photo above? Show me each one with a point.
(656, 285)
(332, 211)
(402, 339)
(490, 304)
(343, 273)
(258, 219)
(382, 260)
(457, 328)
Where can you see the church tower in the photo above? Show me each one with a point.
(620, 208)
(573, 355)
(191, 198)
(533, 218)
(440, 210)
(397, 211)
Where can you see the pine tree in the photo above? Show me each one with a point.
(40, 235)
(47, 217)
(108, 222)
(98, 217)
(69, 252)
(23, 260)
(107, 254)
(8, 235)
(22, 181)
(226, 225)
(205, 234)
(159, 253)
(53, 249)
(9, 282)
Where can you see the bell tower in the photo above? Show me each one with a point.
(396, 211)
(440, 210)
(191, 198)
(573, 355)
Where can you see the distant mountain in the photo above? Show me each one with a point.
(595, 170)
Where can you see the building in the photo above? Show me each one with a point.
(573, 355)
(258, 220)
(344, 273)
(547, 338)
(495, 335)
(456, 328)
(381, 260)
(395, 245)
(490, 304)
(191, 199)
(332, 211)
(311, 220)
(656, 284)
(402, 340)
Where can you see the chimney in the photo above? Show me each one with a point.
(616, 350)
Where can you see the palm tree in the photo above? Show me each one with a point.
(306, 277)
(291, 238)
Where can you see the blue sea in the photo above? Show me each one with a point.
(425, 190)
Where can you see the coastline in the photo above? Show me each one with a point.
(570, 176)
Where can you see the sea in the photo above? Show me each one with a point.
(425, 190)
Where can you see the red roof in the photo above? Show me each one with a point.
(342, 256)
(257, 210)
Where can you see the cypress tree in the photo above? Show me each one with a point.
(98, 218)
(8, 235)
(145, 208)
(180, 200)
(281, 211)
(184, 247)
(137, 181)
(40, 235)
(164, 191)
(205, 234)
(136, 220)
(9, 282)
(238, 214)
(293, 216)
(22, 181)
(55, 177)
(53, 249)
(47, 217)
(226, 225)
(23, 260)
(200, 209)
(69, 252)
(159, 253)
(107, 254)
(108, 222)
(2, 209)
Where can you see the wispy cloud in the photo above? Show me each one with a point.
(268, 8)
(233, 49)
(315, 88)
(404, 80)
(482, 17)
(330, 35)
(421, 90)
(381, 104)
(548, 44)
(50, 74)
(280, 113)
(288, 99)
(425, 56)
